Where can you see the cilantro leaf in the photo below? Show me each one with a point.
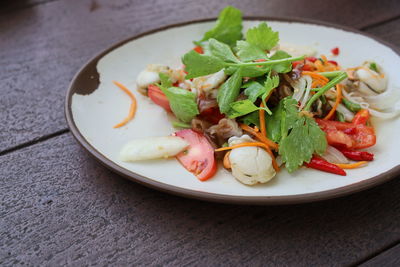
(282, 67)
(254, 90)
(249, 52)
(182, 102)
(229, 91)
(165, 80)
(304, 139)
(200, 65)
(241, 108)
(262, 36)
(283, 117)
(228, 28)
(222, 51)
(252, 118)
(248, 71)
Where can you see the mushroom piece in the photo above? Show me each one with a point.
(250, 165)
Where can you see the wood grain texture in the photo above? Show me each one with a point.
(60, 206)
(389, 258)
(42, 47)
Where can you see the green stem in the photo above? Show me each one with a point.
(266, 63)
(322, 91)
(331, 74)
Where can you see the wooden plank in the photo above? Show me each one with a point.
(7, 6)
(389, 31)
(388, 258)
(60, 206)
(42, 47)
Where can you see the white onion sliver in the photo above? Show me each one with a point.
(299, 87)
(348, 115)
(308, 89)
(333, 155)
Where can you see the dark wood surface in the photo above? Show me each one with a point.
(59, 206)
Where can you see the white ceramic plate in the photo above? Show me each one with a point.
(94, 105)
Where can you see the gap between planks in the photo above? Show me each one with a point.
(33, 142)
(376, 253)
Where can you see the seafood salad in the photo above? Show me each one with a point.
(258, 105)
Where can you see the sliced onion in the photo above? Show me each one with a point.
(299, 86)
(387, 114)
(348, 115)
(308, 89)
(333, 155)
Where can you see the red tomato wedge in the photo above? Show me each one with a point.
(158, 97)
(349, 135)
(198, 158)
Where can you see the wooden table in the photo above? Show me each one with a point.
(59, 206)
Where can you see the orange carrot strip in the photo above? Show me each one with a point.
(132, 109)
(352, 165)
(320, 67)
(259, 144)
(315, 76)
(262, 120)
(265, 140)
(247, 144)
(337, 102)
(259, 136)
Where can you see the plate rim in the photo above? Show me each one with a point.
(207, 196)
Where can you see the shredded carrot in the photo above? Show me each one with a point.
(352, 165)
(315, 76)
(262, 120)
(256, 129)
(259, 136)
(324, 59)
(259, 144)
(318, 83)
(337, 102)
(132, 109)
(226, 162)
(320, 67)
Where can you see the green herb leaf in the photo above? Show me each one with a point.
(248, 71)
(200, 65)
(228, 28)
(222, 51)
(282, 67)
(254, 90)
(182, 102)
(229, 91)
(305, 139)
(373, 67)
(249, 52)
(241, 108)
(262, 36)
(252, 118)
(165, 80)
(283, 117)
(178, 124)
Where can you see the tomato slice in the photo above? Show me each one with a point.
(361, 117)
(199, 157)
(158, 97)
(349, 135)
